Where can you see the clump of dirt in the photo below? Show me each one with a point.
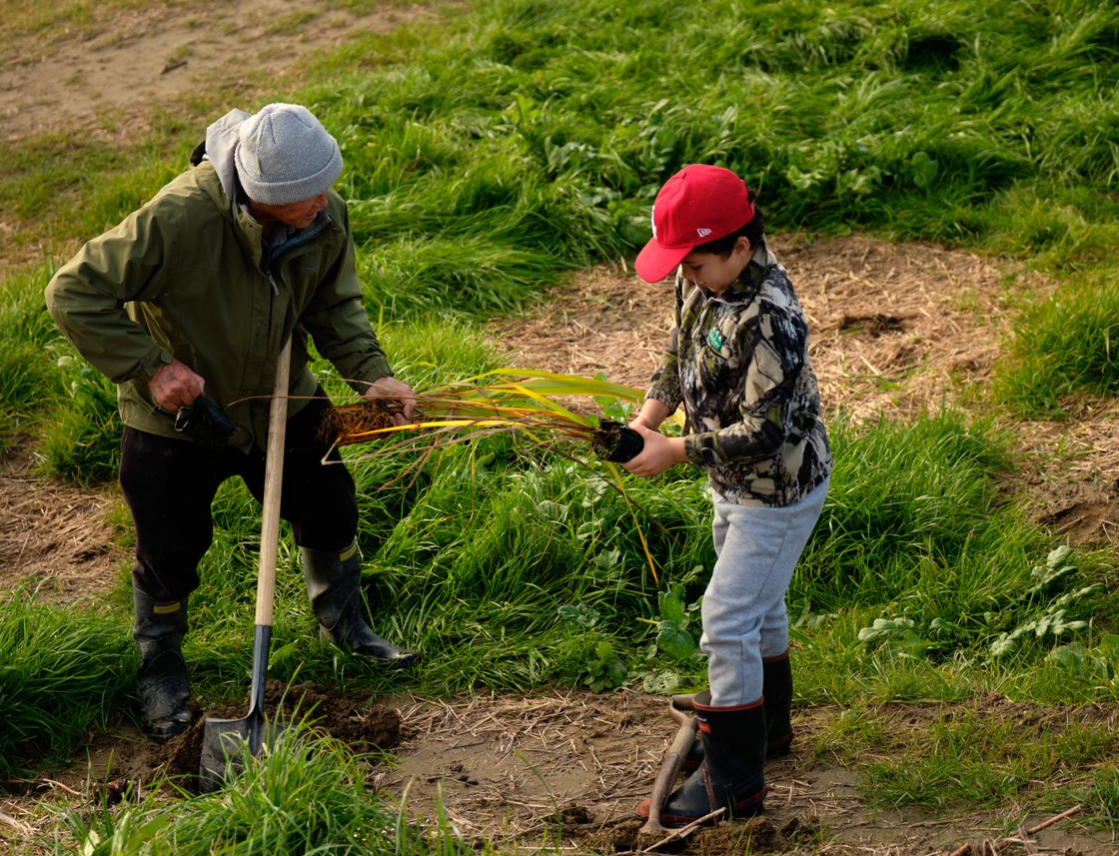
(116, 764)
(348, 422)
(754, 835)
(621, 836)
(350, 719)
(616, 442)
(875, 324)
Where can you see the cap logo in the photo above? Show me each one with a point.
(703, 233)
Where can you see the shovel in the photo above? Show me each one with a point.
(222, 738)
(673, 761)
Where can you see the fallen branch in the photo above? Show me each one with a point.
(965, 849)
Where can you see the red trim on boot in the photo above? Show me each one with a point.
(778, 658)
(702, 701)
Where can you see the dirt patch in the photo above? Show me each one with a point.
(895, 329)
(574, 766)
(55, 537)
(110, 74)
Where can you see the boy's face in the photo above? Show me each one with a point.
(717, 273)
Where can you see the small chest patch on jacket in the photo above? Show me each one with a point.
(716, 340)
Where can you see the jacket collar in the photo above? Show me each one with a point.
(750, 281)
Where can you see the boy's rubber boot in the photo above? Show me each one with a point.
(162, 682)
(732, 775)
(777, 689)
(334, 586)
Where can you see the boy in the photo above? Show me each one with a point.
(738, 362)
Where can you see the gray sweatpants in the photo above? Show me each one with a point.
(744, 616)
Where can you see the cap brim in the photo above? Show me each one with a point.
(655, 262)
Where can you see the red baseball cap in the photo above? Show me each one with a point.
(700, 203)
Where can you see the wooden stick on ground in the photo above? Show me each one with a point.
(18, 826)
(965, 849)
(684, 830)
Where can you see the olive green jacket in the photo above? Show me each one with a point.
(187, 277)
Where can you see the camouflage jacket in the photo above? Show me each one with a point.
(739, 364)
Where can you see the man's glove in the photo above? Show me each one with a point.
(205, 423)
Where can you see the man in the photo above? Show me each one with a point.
(187, 304)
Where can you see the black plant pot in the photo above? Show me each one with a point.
(617, 442)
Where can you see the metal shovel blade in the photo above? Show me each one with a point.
(223, 740)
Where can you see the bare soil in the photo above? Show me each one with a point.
(117, 66)
(572, 767)
(514, 770)
(55, 538)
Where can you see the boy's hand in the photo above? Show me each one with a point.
(660, 452)
(652, 414)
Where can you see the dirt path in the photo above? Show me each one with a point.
(107, 76)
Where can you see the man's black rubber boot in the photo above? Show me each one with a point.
(334, 586)
(162, 683)
(732, 775)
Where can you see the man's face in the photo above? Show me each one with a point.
(298, 215)
(717, 273)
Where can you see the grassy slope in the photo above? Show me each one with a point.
(487, 156)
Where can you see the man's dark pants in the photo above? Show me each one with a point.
(170, 485)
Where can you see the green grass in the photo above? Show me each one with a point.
(306, 794)
(62, 673)
(970, 757)
(1062, 346)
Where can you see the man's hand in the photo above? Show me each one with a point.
(659, 454)
(391, 389)
(175, 386)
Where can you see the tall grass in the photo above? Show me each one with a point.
(1064, 345)
(61, 674)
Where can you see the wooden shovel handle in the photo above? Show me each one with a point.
(273, 482)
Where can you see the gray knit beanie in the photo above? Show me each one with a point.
(284, 155)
